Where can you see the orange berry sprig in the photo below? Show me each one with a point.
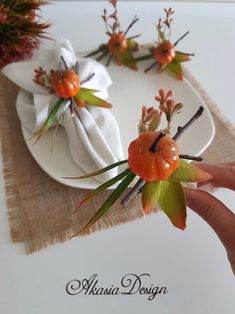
(164, 53)
(119, 47)
(154, 159)
(66, 84)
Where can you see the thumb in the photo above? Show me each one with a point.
(216, 214)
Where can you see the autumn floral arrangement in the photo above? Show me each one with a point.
(119, 47)
(154, 158)
(163, 52)
(68, 87)
(20, 29)
(122, 48)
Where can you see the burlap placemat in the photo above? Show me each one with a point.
(40, 209)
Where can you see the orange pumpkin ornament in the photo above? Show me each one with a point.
(153, 166)
(65, 83)
(120, 47)
(164, 53)
(117, 43)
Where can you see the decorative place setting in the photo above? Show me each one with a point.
(114, 123)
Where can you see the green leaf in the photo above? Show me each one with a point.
(172, 202)
(103, 187)
(161, 67)
(87, 90)
(150, 196)
(181, 57)
(175, 69)
(49, 120)
(126, 58)
(132, 45)
(87, 96)
(100, 171)
(187, 172)
(110, 200)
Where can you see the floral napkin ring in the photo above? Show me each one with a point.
(163, 52)
(119, 47)
(66, 84)
(154, 158)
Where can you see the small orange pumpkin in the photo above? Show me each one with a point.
(153, 166)
(66, 84)
(117, 43)
(164, 53)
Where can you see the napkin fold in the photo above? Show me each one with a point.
(93, 133)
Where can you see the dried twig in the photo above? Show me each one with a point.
(181, 129)
(135, 19)
(153, 147)
(196, 158)
(150, 67)
(182, 37)
(135, 189)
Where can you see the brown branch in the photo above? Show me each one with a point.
(135, 189)
(109, 60)
(88, 78)
(182, 37)
(153, 147)
(196, 158)
(186, 53)
(64, 62)
(135, 36)
(135, 19)
(151, 66)
(181, 129)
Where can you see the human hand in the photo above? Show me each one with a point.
(213, 211)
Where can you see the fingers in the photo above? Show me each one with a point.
(223, 175)
(215, 213)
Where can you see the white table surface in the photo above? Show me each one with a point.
(191, 264)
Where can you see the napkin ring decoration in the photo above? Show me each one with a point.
(66, 84)
(119, 47)
(163, 52)
(154, 158)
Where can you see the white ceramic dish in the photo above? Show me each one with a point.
(130, 90)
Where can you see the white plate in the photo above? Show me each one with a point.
(130, 90)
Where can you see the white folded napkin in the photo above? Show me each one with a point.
(93, 133)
